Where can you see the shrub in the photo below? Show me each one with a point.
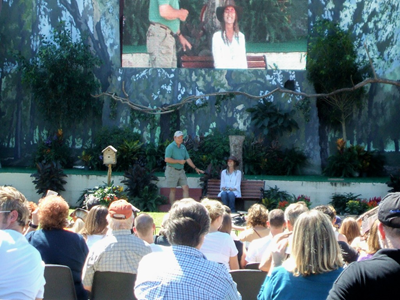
(273, 196)
(141, 190)
(49, 176)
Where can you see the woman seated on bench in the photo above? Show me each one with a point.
(230, 183)
(228, 44)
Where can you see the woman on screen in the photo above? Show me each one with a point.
(228, 44)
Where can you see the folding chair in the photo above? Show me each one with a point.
(59, 283)
(252, 266)
(248, 282)
(113, 285)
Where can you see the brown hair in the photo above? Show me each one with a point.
(257, 215)
(96, 221)
(226, 224)
(214, 207)
(350, 229)
(53, 212)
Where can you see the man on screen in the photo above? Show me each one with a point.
(165, 17)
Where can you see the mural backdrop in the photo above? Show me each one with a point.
(22, 22)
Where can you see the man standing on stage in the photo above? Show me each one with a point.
(176, 156)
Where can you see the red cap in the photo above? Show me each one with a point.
(120, 209)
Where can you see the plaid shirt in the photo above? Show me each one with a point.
(183, 273)
(120, 251)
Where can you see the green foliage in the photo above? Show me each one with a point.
(354, 161)
(339, 201)
(105, 194)
(61, 79)
(273, 21)
(116, 137)
(49, 176)
(54, 149)
(267, 117)
(211, 149)
(332, 64)
(128, 154)
(273, 196)
(154, 156)
(141, 190)
(356, 207)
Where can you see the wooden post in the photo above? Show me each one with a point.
(109, 174)
(236, 148)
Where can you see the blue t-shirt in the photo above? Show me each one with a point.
(172, 151)
(283, 285)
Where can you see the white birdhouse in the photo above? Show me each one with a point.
(110, 155)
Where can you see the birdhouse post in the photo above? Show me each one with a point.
(109, 159)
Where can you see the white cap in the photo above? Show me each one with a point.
(178, 133)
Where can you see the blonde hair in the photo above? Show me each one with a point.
(11, 199)
(257, 215)
(53, 212)
(315, 249)
(373, 239)
(96, 221)
(293, 211)
(226, 224)
(350, 229)
(214, 207)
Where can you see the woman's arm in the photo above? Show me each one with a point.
(233, 263)
(223, 184)
(238, 180)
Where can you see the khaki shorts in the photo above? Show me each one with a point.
(175, 177)
(161, 46)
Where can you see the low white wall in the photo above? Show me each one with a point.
(319, 192)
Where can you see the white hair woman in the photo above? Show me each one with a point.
(315, 262)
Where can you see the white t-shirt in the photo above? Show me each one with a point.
(257, 248)
(94, 238)
(219, 247)
(21, 268)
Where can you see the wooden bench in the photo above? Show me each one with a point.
(251, 190)
(207, 62)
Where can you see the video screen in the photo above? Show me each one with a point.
(221, 34)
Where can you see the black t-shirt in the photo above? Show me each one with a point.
(375, 278)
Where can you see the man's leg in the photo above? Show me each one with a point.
(185, 190)
(172, 195)
(161, 46)
(232, 199)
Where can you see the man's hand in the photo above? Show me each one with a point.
(199, 171)
(183, 13)
(185, 44)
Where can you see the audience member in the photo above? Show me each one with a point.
(276, 224)
(78, 216)
(257, 228)
(280, 247)
(373, 245)
(184, 272)
(56, 245)
(378, 277)
(21, 267)
(315, 262)
(349, 254)
(33, 220)
(350, 229)
(227, 228)
(120, 250)
(218, 246)
(161, 238)
(144, 229)
(95, 227)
